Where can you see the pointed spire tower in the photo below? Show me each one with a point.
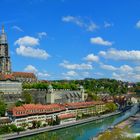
(5, 64)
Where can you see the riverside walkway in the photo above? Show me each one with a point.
(51, 128)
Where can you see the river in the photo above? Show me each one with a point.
(83, 131)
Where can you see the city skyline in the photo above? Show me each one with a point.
(73, 39)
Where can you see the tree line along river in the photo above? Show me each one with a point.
(84, 131)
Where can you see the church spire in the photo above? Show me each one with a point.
(3, 37)
(3, 29)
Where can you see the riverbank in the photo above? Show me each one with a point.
(129, 122)
(123, 124)
(56, 127)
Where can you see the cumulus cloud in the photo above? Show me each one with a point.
(32, 52)
(133, 77)
(83, 66)
(108, 67)
(87, 25)
(100, 41)
(30, 68)
(70, 73)
(40, 75)
(27, 41)
(137, 68)
(43, 75)
(126, 68)
(26, 48)
(91, 58)
(121, 69)
(42, 34)
(17, 28)
(138, 24)
(124, 72)
(114, 54)
(85, 74)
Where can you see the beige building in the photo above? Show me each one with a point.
(10, 87)
(65, 95)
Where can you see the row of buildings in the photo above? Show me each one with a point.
(68, 112)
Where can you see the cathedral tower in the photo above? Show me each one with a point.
(5, 64)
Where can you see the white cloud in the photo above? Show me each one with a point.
(40, 75)
(92, 58)
(98, 73)
(114, 54)
(73, 19)
(32, 52)
(132, 77)
(70, 74)
(17, 28)
(107, 24)
(27, 41)
(137, 68)
(126, 68)
(82, 66)
(100, 41)
(138, 24)
(127, 73)
(87, 25)
(108, 67)
(31, 68)
(42, 34)
(26, 45)
(91, 27)
(43, 74)
(121, 69)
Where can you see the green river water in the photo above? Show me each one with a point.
(83, 131)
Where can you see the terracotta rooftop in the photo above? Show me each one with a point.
(82, 104)
(66, 116)
(31, 109)
(6, 77)
(24, 74)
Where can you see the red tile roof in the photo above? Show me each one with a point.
(6, 77)
(82, 104)
(66, 116)
(31, 109)
(24, 74)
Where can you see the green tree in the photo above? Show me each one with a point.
(19, 103)
(111, 107)
(2, 108)
(27, 97)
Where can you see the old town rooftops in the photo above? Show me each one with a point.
(6, 77)
(66, 116)
(24, 74)
(14, 75)
(32, 109)
(83, 104)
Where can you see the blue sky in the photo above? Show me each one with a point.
(74, 39)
